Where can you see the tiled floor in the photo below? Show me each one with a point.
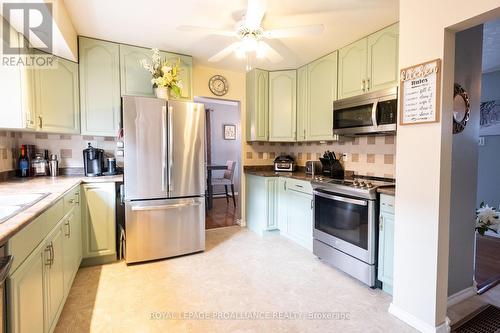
(239, 272)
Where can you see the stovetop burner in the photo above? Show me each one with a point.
(365, 187)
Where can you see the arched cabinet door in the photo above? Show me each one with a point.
(383, 55)
(283, 106)
(99, 87)
(57, 98)
(352, 69)
(135, 80)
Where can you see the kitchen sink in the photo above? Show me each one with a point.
(11, 204)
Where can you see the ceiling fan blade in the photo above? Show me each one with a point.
(264, 50)
(305, 30)
(206, 30)
(255, 13)
(224, 52)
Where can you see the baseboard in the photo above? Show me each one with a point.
(462, 295)
(417, 323)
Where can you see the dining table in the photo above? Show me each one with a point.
(210, 188)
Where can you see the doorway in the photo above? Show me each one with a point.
(223, 156)
(487, 263)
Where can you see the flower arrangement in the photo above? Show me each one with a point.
(487, 219)
(165, 74)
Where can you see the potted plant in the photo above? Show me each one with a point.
(165, 75)
(487, 219)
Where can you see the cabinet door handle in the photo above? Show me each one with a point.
(367, 84)
(381, 226)
(77, 197)
(363, 85)
(52, 254)
(40, 122)
(312, 203)
(68, 233)
(48, 262)
(304, 134)
(72, 201)
(284, 185)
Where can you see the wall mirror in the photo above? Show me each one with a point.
(461, 108)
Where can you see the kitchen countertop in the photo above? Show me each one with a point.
(301, 175)
(389, 190)
(56, 187)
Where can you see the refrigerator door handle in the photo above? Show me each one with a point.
(170, 148)
(164, 148)
(165, 207)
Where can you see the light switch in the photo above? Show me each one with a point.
(119, 153)
(119, 144)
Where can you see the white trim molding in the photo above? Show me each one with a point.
(418, 323)
(462, 295)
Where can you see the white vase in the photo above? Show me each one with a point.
(162, 92)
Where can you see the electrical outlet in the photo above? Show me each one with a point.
(481, 141)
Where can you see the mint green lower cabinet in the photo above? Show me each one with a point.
(261, 203)
(72, 245)
(98, 220)
(25, 290)
(386, 243)
(281, 205)
(299, 218)
(54, 278)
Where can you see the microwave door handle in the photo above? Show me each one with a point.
(374, 113)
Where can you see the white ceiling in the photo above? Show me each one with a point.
(491, 46)
(153, 23)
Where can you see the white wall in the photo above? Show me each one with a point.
(468, 63)
(423, 164)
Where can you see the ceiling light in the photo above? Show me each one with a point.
(261, 50)
(249, 43)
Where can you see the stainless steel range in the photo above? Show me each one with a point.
(345, 224)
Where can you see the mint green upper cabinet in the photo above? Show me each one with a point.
(257, 86)
(352, 69)
(25, 294)
(135, 80)
(98, 224)
(322, 91)
(99, 87)
(282, 106)
(370, 64)
(383, 54)
(186, 74)
(301, 103)
(57, 98)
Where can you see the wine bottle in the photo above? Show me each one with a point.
(24, 164)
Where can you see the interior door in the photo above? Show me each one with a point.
(186, 149)
(145, 134)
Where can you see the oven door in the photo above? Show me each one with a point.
(345, 223)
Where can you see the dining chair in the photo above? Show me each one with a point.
(227, 180)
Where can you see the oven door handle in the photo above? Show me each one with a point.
(343, 199)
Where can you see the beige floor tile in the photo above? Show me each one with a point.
(240, 272)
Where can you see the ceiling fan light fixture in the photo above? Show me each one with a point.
(261, 50)
(240, 53)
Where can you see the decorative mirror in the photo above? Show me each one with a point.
(461, 109)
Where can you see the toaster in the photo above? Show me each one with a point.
(314, 167)
(284, 163)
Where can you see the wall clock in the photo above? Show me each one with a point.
(218, 85)
(461, 108)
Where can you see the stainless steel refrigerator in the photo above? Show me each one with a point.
(164, 178)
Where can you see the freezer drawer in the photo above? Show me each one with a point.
(158, 229)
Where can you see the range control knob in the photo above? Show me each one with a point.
(369, 185)
(362, 184)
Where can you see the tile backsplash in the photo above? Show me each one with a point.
(366, 155)
(68, 148)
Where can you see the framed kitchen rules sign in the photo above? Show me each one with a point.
(420, 86)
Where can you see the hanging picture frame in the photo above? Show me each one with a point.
(420, 88)
(229, 132)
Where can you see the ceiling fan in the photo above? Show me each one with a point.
(250, 35)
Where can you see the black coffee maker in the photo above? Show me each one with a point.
(93, 161)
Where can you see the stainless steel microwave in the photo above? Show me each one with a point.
(372, 113)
